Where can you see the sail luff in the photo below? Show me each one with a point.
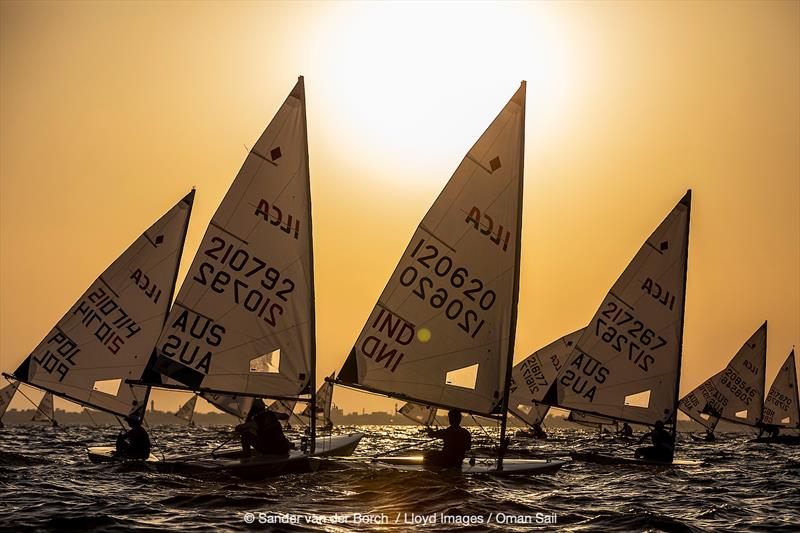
(515, 289)
(687, 200)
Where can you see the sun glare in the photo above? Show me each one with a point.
(419, 81)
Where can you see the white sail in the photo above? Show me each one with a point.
(626, 364)
(243, 320)
(782, 406)
(6, 395)
(736, 393)
(590, 420)
(324, 400)
(286, 407)
(237, 406)
(442, 329)
(419, 413)
(107, 337)
(532, 377)
(45, 411)
(186, 411)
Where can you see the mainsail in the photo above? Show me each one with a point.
(6, 395)
(107, 337)
(243, 321)
(442, 332)
(237, 406)
(736, 393)
(532, 377)
(322, 405)
(626, 364)
(45, 411)
(419, 413)
(782, 406)
(186, 411)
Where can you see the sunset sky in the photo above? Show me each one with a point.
(111, 112)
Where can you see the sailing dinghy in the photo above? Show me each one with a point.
(442, 332)
(6, 395)
(186, 411)
(532, 377)
(108, 335)
(736, 393)
(243, 322)
(782, 406)
(626, 363)
(45, 411)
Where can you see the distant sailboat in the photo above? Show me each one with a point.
(286, 407)
(782, 407)
(237, 406)
(186, 411)
(442, 332)
(45, 411)
(323, 406)
(736, 393)
(420, 413)
(532, 377)
(243, 322)
(109, 333)
(626, 364)
(6, 395)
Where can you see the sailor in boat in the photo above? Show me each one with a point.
(262, 431)
(538, 432)
(770, 430)
(625, 431)
(663, 446)
(457, 441)
(135, 443)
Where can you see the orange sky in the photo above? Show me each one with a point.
(110, 112)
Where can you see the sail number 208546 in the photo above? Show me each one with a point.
(442, 267)
(250, 267)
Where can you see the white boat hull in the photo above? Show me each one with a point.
(482, 466)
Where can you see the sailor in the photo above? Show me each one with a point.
(625, 431)
(135, 443)
(538, 432)
(457, 441)
(262, 431)
(663, 445)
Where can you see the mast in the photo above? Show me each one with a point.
(514, 292)
(760, 420)
(687, 201)
(313, 318)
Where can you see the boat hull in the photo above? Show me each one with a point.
(108, 454)
(236, 464)
(482, 466)
(605, 459)
(338, 445)
(793, 440)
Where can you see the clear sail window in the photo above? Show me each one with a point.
(465, 377)
(109, 386)
(640, 399)
(269, 363)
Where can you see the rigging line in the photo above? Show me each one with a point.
(160, 449)
(51, 419)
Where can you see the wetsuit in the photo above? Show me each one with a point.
(457, 441)
(134, 444)
(263, 431)
(662, 449)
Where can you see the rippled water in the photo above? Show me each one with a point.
(47, 482)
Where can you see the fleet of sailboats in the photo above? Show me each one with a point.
(441, 335)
